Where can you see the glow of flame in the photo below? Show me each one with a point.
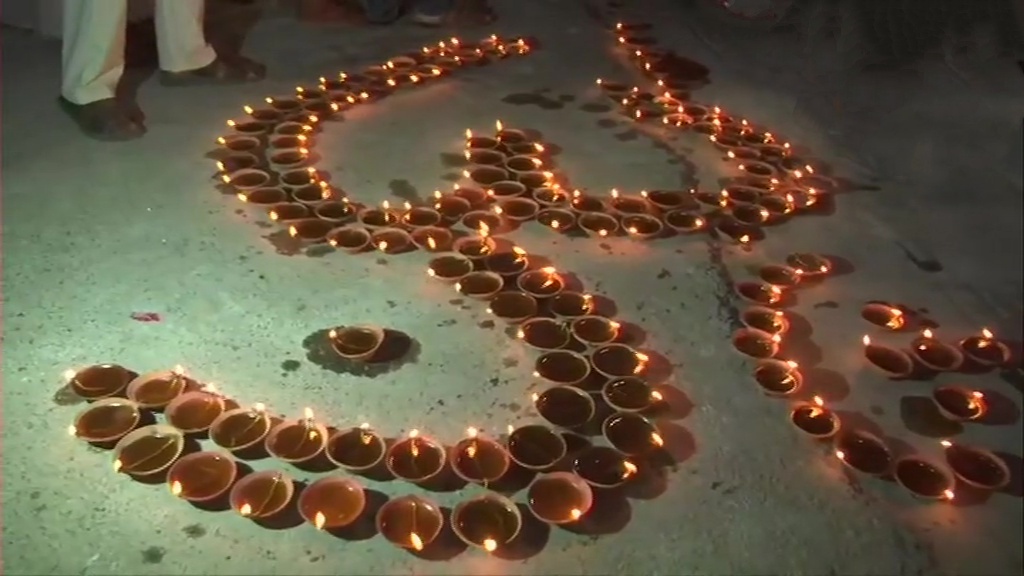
(866, 340)
(490, 544)
(245, 510)
(416, 541)
(319, 521)
(628, 469)
(498, 126)
(576, 514)
(259, 408)
(986, 335)
(293, 231)
(176, 488)
(946, 444)
(927, 334)
(657, 440)
(118, 465)
(72, 430)
(948, 494)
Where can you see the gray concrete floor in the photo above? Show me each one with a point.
(94, 232)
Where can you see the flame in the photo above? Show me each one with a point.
(416, 541)
(245, 509)
(118, 465)
(841, 455)
(948, 494)
(927, 334)
(534, 396)
(307, 414)
(414, 433)
(498, 126)
(431, 243)
(946, 444)
(986, 335)
(866, 340)
(260, 407)
(576, 514)
(628, 469)
(484, 230)
(293, 231)
(657, 440)
(490, 544)
(555, 224)
(248, 109)
(176, 488)
(382, 246)
(319, 521)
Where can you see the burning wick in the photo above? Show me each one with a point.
(974, 402)
(927, 336)
(818, 409)
(986, 338)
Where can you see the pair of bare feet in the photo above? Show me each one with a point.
(464, 13)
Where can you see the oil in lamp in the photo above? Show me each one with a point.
(332, 502)
(239, 143)
(311, 195)
(156, 390)
(603, 467)
(777, 377)
(960, 404)
(630, 394)
(765, 319)
(562, 367)
(482, 220)
(557, 219)
(559, 497)
(625, 205)
(781, 276)
(924, 478)
(595, 331)
(241, 428)
(202, 476)
(477, 247)
(420, 216)
(262, 494)
(584, 203)
(756, 343)
(536, 447)
(480, 285)
(685, 221)
(351, 239)
(669, 200)
(815, 419)
(248, 127)
(356, 343)
(759, 293)
(410, 522)
(289, 159)
(148, 451)
(935, 354)
(477, 157)
(450, 267)
(618, 361)
(478, 459)
(517, 209)
(235, 161)
(336, 212)
(297, 441)
(977, 467)
(810, 265)
(451, 207)
(864, 452)
(642, 226)
(632, 434)
(287, 212)
(569, 305)
(432, 238)
(415, 458)
(541, 283)
(550, 197)
(565, 406)
(513, 307)
(378, 217)
(485, 177)
(266, 196)
(476, 142)
(299, 177)
(508, 263)
(985, 350)
(356, 449)
(247, 179)
(98, 381)
(543, 333)
(488, 521)
(892, 361)
(391, 240)
(310, 230)
(106, 420)
(884, 315)
(194, 412)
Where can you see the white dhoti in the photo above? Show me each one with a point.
(94, 41)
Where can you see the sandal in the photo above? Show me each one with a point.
(105, 120)
(219, 71)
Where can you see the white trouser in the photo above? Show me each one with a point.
(94, 37)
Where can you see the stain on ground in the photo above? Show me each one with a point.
(451, 177)
(284, 244)
(877, 410)
(831, 304)
(509, 362)
(153, 555)
(924, 264)
(194, 531)
(607, 123)
(664, 273)
(627, 136)
(405, 190)
(595, 107)
(65, 396)
(291, 365)
(533, 99)
(452, 160)
(486, 324)
(397, 350)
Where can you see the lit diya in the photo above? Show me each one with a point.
(765, 319)
(781, 276)
(642, 226)
(270, 115)
(936, 354)
(627, 204)
(778, 207)
(756, 343)
(559, 497)
(202, 476)
(521, 164)
(420, 216)
(669, 200)
(685, 221)
(266, 196)
(239, 143)
(297, 441)
(760, 293)
(391, 240)
(864, 452)
(603, 467)
(246, 179)
(194, 412)
(289, 141)
(477, 157)
(378, 217)
(410, 522)
(731, 227)
(565, 406)
(544, 334)
(517, 209)
(332, 502)
(156, 390)
(236, 161)
(106, 420)
(509, 135)
(506, 189)
(632, 434)
(311, 195)
(960, 404)
(557, 219)
(287, 212)
(778, 377)
(525, 149)
(262, 494)
(758, 170)
(336, 211)
(474, 141)
(356, 449)
(614, 90)
(585, 203)
(351, 239)
(985, 350)
(241, 428)
(475, 247)
(630, 394)
(550, 197)
(562, 367)
(509, 263)
(478, 459)
(536, 447)
(814, 419)
(884, 315)
(452, 208)
(476, 197)
(299, 177)
(248, 127)
(480, 285)
(541, 283)
(357, 343)
(292, 128)
(286, 104)
(432, 238)
(595, 330)
(310, 230)
(811, 265)
(484, 177)
(288, 159)
(570, 305)
(450, 267)
(415, 458)
(488, 521)
(98, 381)
(977, 467)
(924, 478)
(618, 361)
(513, 307)
(894, 362)
(148, 450)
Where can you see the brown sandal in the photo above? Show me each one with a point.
(219, 71)
(105, 120)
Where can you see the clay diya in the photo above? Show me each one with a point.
(864, 452)
(985, 350)
(685, 221)
(262, 494)
(506, 189)
(248, 127)
(668, 200)
(241, 428)
(311, 195)
(750, 214)
(266, 196)
(476, 197)
(924, 478)
(630, 394)
(756, 343)
(336, 211)
(765, 319)
(509, 135)
(759, 170)
(297, 441)
(960, 404)
(618, 361)
(536, 447)
(415, 458)
(356, 449)
(156, 390)
(778, 207)
(289, 159)
(893, 362)
(977, 467)
(106, 420)
(332, 502)
(202, 476)
(810, 265)
(517, 209)
(603, 467)
(292, 128)
(884, 315)
(247, 179)
(557, 219)
(474, 141)
(432, 238)
(148, 450)
(614, 90)
(475, 248)
(484, 177)
(289, 141)
(522, 164)
(195, 412)
(235, 161)
(513, 307)
(760, 293)
(533, 149)
(373, 218)
(778, 378)
(285, 104)
(507, 264)
(632, 434)
(488, 521)
(269, 116)
(642, 226)
(565, 406)
(310, 230)
(351, 239)
(541, 283)
(478, 459)
(480, 285)
(421, 217)
(356, 343)
(544, 334)
(450, 268)
(410, 522)
(98, 381)
(288, 212)
(627, 204)
(729, 226)
(814, 419)
(391, 240)
(781, 276)
(239, 143)
(740, 194)
(570, 305)
(299, 177)
(584, 203)
(452, 208)
(550, 197)
(559, 497)
(935, 354)
(595, 331)
(477, 157)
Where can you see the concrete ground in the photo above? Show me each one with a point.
(93, 233)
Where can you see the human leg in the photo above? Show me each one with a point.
(186, 58)
(432, 12)
(458, 12)
(382, 11)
